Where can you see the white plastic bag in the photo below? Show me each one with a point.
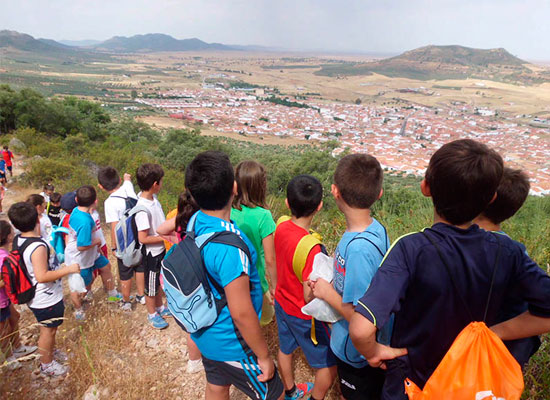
(76, 283)
(317, 308)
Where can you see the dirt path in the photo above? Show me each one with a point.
(116, 351)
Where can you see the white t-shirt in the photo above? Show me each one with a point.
(98, 232)
(81, 228)
(46, 197)
(49, 293)
(151, 221)
(45, 227)
(115, 205)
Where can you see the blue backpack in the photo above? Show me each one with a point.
(187, 282)
(128, 247)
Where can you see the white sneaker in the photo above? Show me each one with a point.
(53, 369)
(194, 366)
(23, 351)
(60, 356)
(12, 363)
(140, 299)
(89, 296)
(80, 315)
(126, 306)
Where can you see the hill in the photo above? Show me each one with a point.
(152, 42)
(24, 42)
(445, 62)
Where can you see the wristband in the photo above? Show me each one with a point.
(113, 249)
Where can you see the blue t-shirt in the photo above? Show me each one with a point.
(81, 226)
(356, 260)
(413, 283)
(226, 263)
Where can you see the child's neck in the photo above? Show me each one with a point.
(438, 218)
(487, 224)
(224, 213)
(147, 194)
(303, 222)
(357, 219)
(33, 233)
(85, 209)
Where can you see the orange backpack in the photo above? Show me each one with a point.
(478, 366)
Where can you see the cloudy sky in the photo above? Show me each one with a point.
(386, 26)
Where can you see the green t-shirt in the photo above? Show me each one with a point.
(256, 223)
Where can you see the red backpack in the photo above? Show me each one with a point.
(17, 281)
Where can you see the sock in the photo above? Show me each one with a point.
(291, 392)
(160, 309)
(44, 366)
(112, 293)
(152, 315)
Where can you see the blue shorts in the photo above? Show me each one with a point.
(296, 332)
(88, 273)
(5, 313)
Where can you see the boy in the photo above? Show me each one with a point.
(234, 350)
(115, 206)
(82, 247)
(54, 208)
(48, 191)
(304, 198)
(47, 304)
(149, 179)
(7, 155)
(511, 194)
(413, 281)
(357, 185)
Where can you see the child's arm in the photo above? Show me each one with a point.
(167, 230)
(2, 284)
(246, 320)
(95, 242)
(268, 244)
(144, 238)
(325, 291)
(39, 259)
(523, 326)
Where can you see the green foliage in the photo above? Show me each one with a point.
(286, 102)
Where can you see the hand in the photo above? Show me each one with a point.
(384, 353)
(267, 367)
(127, 177)
(96, 242)
(73, 268)
(320, 288)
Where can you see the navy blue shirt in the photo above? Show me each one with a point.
(413, 283)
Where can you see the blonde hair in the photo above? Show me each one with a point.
(251, 185)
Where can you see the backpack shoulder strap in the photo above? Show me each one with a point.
(304, 247)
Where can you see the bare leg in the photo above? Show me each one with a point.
(324, 377)
(107, 277)
(192, 349)
(285, 368)
(46, 343)
(14, 327)
(5, 338)
(140, 283)
(215, 392)
(77, 300)
(125, 287)
(151, 303)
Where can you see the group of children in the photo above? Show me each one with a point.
(399, 305)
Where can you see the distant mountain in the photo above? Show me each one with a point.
(54, 43)
(153, 42)
(443, 62)
(24, 42)
(80, 43)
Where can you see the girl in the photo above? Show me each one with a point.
(10, 344)
(40, 204)
(173, 230)
(251, 215)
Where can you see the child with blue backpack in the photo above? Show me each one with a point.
(233, 348)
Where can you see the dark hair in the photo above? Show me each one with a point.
(463, 177)
(251, 185)
(359, 179)
(187, 206)
(148, 174)
(108, 178)
(68, 201)
(49, 186)
(86, 196)
(304, 194)
(209, 178)
(36, 200)
(5, 230)
(55, 197)
(23, 216)
(5, 147)
(511, 194)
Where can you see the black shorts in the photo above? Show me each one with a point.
(54, 313)
(243, 375)
(9, 168)
(126, 273)
(5, 313)
(151, 268)
(360, 383)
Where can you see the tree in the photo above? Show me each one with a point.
(133, 94)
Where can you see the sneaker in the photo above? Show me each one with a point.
(60, 356)
(194, 366)
(126, 306)
(12, 363)
(89, 296)
(23, 351)
(157, 322)
(140, 299)
(116, 298)
(80, 315)
(53, 369)
(165, 313)
(302, 389)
